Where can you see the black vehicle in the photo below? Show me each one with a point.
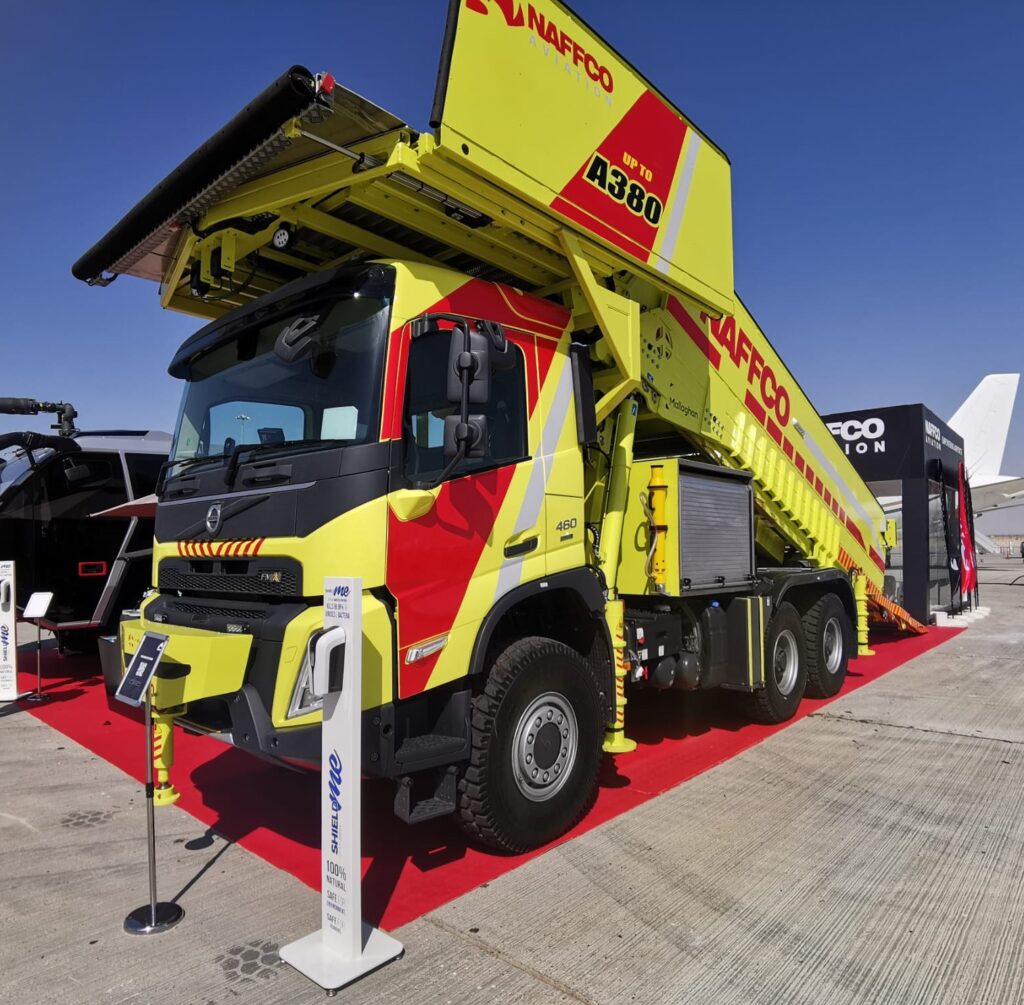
(51, 487)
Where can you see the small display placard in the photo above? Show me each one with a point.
(132, 689)
(37, 606)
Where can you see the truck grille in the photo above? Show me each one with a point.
(260, 577)
(203, 610)
(213, 582)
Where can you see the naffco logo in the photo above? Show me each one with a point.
(545, 29)
(862, 435)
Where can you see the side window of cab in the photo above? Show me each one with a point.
(427, 406)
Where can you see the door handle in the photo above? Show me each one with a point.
(184, 487)
(523, 547)
(268, 476)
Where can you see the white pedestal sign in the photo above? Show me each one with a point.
(344, 948)
(8, 639)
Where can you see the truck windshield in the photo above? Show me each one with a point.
(243, 393)
(15, 464)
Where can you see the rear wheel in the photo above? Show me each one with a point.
(538, 724)
(785, 669)
(826, 628)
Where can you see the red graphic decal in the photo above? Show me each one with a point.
(521, 314)
(759, 373)
(855, 531)
(694, 330)
(756, 408)
(512, 11)
(451, 536)
(610, 194)
(569, 47)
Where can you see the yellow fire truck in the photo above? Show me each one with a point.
(497, 370)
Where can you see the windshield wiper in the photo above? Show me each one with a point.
(185, 462)
(258, 448)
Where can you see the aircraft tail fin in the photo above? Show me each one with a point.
(983, 421)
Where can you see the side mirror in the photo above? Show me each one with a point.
(475, 361)
(78, 474)
(472, 433)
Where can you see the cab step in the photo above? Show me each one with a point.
(415, 810)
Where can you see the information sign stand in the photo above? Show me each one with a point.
(344, 948)
(36, 608)
(134, 689)
(8, 638)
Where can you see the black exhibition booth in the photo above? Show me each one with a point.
(911, 459)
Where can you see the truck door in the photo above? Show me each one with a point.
(446, 567)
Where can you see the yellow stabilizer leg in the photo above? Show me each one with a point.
(164, 793)
(860, 593)
(615, 739)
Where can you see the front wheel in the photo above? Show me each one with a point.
(785, 669)
(538, 724)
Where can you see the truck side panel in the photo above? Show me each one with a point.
(721, 380)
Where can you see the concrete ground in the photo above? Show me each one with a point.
(873, 852)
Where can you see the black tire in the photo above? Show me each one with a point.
(493, 805)
(784, 685)
(826, 627)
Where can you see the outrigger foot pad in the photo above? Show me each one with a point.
(165, 794)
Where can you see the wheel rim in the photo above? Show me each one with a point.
(544, 747)
(832, 645)
(785, 661)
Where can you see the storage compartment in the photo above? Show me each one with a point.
(716, 527)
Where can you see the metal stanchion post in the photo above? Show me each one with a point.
(154, 917)
(38, 696)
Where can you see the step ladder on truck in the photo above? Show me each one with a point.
(498, 370)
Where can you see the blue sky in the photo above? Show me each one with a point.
(876, 150)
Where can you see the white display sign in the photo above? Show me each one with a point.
(37, 606)
(8, 638)
(344, 948)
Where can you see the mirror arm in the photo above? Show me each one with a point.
(448, 469)
(463, 411)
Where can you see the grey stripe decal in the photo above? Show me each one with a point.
(675, 220)
(228, 496)
(852, 502)
(529, 512)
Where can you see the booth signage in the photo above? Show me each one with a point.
(344, 948)
(135, 682)
(8, 638)
(37, 606)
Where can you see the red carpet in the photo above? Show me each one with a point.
(407, 871)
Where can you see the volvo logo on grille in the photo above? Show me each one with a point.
(213, 518)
